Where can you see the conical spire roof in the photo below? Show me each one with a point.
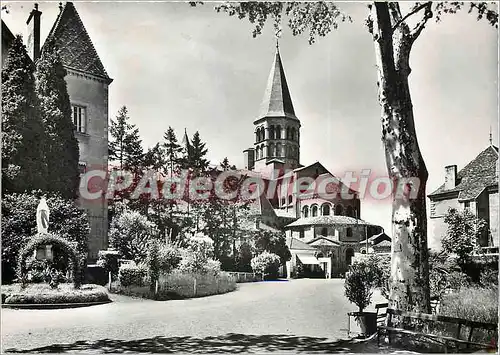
(277, 101)
(76, 48)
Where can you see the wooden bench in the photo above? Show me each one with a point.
(456, 341)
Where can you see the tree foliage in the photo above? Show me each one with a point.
(130, 234)
(172, 151)
(463, 234)
(61, 146)
(125, 144)
(23, 160)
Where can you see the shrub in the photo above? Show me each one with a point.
(19, 225)
(130, 233)
(197, 257)
(489, 278)
(463, 234)
(360, 280)
(273, 242)
(475, 304)
(130, 274)
(267, 264)
(108, 260)
(169, 258)
(44, 294)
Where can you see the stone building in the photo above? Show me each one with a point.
(320, 215)
(87, 83)
(475, 187)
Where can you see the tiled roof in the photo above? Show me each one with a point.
(76, 48)
(476, 176)
(296, 244)
(322, 241)
(377, 239)
(7, 35)
(328, 221)
(277, 100)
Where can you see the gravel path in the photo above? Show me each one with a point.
(289, 316)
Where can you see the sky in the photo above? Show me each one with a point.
(195, 69)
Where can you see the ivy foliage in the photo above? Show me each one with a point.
(66, 247)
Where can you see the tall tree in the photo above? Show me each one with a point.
(394, 33)
(61, 148)
(23, 160)
(172, 150)
(226, 166)
(154, 158)
(197, 160)
(125, 144)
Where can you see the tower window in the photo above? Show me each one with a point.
(349, 232)
(326, 210)
(305, 212)
(271, 132)
(290, 199)
(338, 210)
(314, 211)
(288, 133)
(278, 132)
(80, 118)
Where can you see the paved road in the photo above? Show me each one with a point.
(299, 315)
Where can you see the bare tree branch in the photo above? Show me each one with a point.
(419, 7)
(415, 32)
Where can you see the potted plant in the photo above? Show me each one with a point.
(360, 281)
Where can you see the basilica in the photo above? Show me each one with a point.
(324, 231)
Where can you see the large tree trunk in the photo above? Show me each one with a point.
(409, 282)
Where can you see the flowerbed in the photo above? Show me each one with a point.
(44, 294)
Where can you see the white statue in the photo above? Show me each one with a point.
(42, 216)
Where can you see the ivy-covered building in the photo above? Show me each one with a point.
(87, 83)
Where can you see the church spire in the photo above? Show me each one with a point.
(491, 137)
(277, 101)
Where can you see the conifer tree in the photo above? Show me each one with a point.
(61, 148)
(226, 166)
(197, 160)
(125, 144)
(172, 150)
(23, 162)
(154, 158)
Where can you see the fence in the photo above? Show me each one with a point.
(242, 277)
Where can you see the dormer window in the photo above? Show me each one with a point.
(80, 118)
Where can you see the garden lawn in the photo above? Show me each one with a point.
(44, 294)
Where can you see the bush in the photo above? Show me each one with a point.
(108, 260)
(130, 234)
(44, 294)
(266, 264)
(197, 257)
(360, 280)
(169, 258)
(130, 275)
(19, 225)
(489, 278)
(475, 304)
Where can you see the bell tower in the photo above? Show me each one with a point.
(277, 129)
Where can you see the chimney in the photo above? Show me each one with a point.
(249, 158)
(33, 23)
(450, 177)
